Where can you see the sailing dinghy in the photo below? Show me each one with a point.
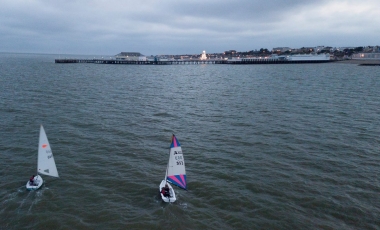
(45, 162)
(175, 172)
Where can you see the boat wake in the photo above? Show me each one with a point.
(38, 198)
(23, 202)
(183, 205)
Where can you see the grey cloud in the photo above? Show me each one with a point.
(182, 26)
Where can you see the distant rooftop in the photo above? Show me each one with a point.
(130, 54)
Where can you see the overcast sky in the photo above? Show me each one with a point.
(184, 26)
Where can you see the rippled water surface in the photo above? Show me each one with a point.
(266, 146)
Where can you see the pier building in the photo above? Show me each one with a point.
(130, 56)
(203, 56)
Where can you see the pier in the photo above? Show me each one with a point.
(186, 62)
(275, 61)
(369, 64)
(129, 62)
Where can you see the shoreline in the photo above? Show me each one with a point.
(358, 61)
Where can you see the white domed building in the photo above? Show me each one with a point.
(203, 56)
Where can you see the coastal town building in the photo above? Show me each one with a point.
(366, 56)
(281, 49)
(230, 53)
(130, 56)
(318, 49)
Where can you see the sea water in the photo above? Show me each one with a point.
(265, 146)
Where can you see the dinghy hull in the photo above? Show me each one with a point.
(172, 197)
(38, 181)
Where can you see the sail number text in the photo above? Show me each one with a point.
(177, 152)
(179, 159)
(49, 152)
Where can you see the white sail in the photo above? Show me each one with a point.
(46, 163)
(176, 173)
